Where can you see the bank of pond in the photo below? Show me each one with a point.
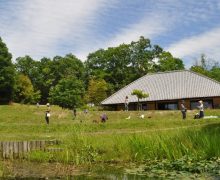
(192, 152)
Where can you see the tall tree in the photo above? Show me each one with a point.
(46, 73)
(68, 93)
(112, 65)
(142, 56)
(96, 91)
(166, 62)
(201, 66)
(7, 74)
(24, 91)
(119, 66)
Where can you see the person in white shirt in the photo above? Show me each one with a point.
(201, 109)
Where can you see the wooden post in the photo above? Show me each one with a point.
(15, 154)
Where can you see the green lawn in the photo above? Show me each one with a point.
(22, 122)
(160, 135)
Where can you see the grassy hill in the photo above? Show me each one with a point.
(161, 135)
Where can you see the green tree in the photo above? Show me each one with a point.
(68, 93)
(142, 56)
(121, 65)
(112, 65)
(46, 73)
(24, 91)
(167, 62)
(201, 66)
(215, 72)
(7, 74)
(140, 95)
(96, 91)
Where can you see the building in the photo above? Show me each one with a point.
(166, 90)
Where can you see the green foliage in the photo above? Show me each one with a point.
(24, 91)
(140, 95)
(215, 72)
(183, 168)
(121, 65)
(68, 93)
(167, 62)
(96, 91)
(207, 68)
(7, 74)
(46, 73)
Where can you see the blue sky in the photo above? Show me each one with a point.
(46, 28)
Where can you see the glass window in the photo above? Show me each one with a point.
(207, 104)
(168, 106)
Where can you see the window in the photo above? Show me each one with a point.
(168, 106)
(207, 104)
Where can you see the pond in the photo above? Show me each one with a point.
(149, 170)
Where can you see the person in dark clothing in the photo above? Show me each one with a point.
(126, 103)
(47, 117)
(74, 113)
(103, 117)
(183, 109)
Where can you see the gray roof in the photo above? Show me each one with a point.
(167, 86)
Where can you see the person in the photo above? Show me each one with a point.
(126, 103)
(74, 113)
(38, 105)
(48, 106)
(201, 109)
(183, 109)
(85, 111)
(103, 117)
(47, 116)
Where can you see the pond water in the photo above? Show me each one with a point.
(27, 170)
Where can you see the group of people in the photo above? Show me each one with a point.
(104, 117)
(183, 108)
(198, 115)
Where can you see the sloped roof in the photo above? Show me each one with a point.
(167, 86)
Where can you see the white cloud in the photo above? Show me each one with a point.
(42, 24)
(207, 43)
(149, 26)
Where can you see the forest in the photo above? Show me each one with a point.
(69, 82)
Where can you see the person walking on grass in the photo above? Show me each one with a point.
(47, 116)
(183, 109)
(201, 109)
(74, 113)
(126, 103)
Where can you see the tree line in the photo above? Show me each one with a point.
(69, 82)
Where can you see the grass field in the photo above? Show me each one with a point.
(160, 135)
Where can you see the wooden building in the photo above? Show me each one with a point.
(166, 90)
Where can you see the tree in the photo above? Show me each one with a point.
(167, 62)
(140, 95)
(24, 91)
(46, 73)
(201, 66)
(7, 74)
(112, 65)
(68, 93)
(142, 56)
(121, 65)
(96, 91)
